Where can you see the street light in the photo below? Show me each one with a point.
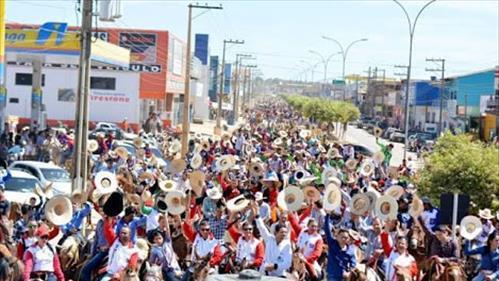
(412, 27)
(324, 61)
(344, 52)
(312, 68)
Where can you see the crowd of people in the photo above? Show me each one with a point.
(279, 197)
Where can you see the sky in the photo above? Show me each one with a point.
(280, 34)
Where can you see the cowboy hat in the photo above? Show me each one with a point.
(121, 152)
(78, 196)
(167, 185)
(146, 176)
(283, 134)
(196, 161)
(134, 200)
(366, 169)
(416, 208)
(272, 177)
(256, 169)
(226, 137)
(290, 199)
(377, 131)
(214, 193)
(237, 204)
(140, 153)
(45, 193)
(196, 180)
(160, 203)
(59, 210)
(277, 142)
(333, 152)
(311, 193)
(359, 204)
(329, 172)
(470, 227)
(92, 145)
(351, 164)
(308, 179)
(485, 214)
(225, 162)
(174, 201)
(373, 195)
(304, 133)
(146, 196)
(205, 145)
(174, 147)
(333, 180)
(105, 180)
(177, 166)
(300, 174)
(248, 149)
(137, 142)
(332, 197)
(386, 208)
(114, 204)
(378, 157)
(395, 191)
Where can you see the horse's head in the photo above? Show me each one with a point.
(153, 272)
(357, 275)
(403, 273)
(454, 272)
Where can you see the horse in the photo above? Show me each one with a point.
(11, 269)
(200, 267)
(363, 272)
(448, 271)
(153, 272)
(403, 273)
(298, 268)
(73, 254)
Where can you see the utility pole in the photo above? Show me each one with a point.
(442, 90)
(373, 107)
(406, 106)
(368, 94)
(235, 106)
(218, 127)
(383, 93)
(466, 113)
(81, 111)
(3, 86)
(247, 84)
(186, 112)
(36, 94)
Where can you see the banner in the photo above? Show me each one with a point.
(142, 46)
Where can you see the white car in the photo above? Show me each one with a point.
(21, 187)
(47, 173)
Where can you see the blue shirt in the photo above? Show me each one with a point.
(100, 239)
(136, 222)
(489, 261)
(77, 219)
(338, 260)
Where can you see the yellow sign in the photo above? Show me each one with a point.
(30, 39)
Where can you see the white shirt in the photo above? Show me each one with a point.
(306, 244)
(203, 247)
(430, 218)
(152, 220)
(43, 258)
(397, 259)
(119, 256)
(246, 250)
(279, 254)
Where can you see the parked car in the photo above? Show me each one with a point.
(360, 149)
(21, 187)
(397, 136)
(420, 139)
(46, 173)
(118, 133)
(388, 132)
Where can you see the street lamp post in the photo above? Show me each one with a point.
(412, 27)
(344, 52)
(312, 69)
(325, 62)
(235, 106)
(187, 86)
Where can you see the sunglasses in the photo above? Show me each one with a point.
(32, 226)
(205, 229)
(248, 229)
(44, 237)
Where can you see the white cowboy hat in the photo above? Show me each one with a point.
(167, 185)
(121, 152)
(214, 193)
(225, 162)
(300, 174)
(237, 204)
(485, 214)
(395, 191)
(332, 197)
(416, 208)
(196, 161)
(174, 147)
(351, 164)
(470, 227)
(92, 145)
(105, 180)
(137, 142)
(311, 193)
(59, 210)
(78, 196)
(140, 153)
(277, 142)
(196, 180)
(373, 196)
(333, 152)
(256, 169)
(146, 176)
(283, 134)
(290, 199)
(378, 157)
(328, 173)
(304, 133)
(160, 203)
(306, 180)
(177, 166)
(386, 208)
(333, 180)
(359, 204)
(174, 200)
(377, 131)
(366, 169)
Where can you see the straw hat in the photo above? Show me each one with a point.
(135, 200)
(196, 180)
(248, 149)
(373, 196)
(328, 173)
(78, 196)
(485, 214)
(283, 134)
(351, 164)
(45, 193)
(332, 197)
(470, 227)
(140, 153)
(196, 161)
(333, 152)
(160, 203)
(122, 152)
(146, 176)
(377, 131)
(378, 157)
(214, 193)
(138, 142)
(105, 180)
(256, 169)
(311, 193)
(416, 208)
(237, 204)
(175, 202)
(366, 169)
(177, 166)
(92, 145)
(167, 185)
(290, 199)
(174, 147)
(225, 162)
(359, 204)
(304, 133)
(226, 137)
(308, 179)
(59, 210)
(395, 191)
(386, 207)
(277, 142)
(205, 145)
(333, 180)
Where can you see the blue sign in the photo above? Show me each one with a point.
(212, 92)
(48, 28)
(227, 78)
(201, 48)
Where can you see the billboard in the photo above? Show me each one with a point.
(142, 46)
(201, 48)
(227, 78)
(212, 92)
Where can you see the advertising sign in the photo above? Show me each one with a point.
(212, 92)
(30, 39)
(142, 46)
(227, 78)
(178, 57)
(201, 48)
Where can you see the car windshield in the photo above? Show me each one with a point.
(58, 175)
(21, 184)
(425, 137)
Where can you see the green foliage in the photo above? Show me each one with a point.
(324, 110)
(459, 164)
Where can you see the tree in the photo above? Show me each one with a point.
(459, 164)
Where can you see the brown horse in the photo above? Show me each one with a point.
(403, 274)
(448, 271)
(11, 269)
(298, 268)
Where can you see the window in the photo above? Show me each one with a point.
(102, 83)
(26, 79)
(13, 100)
